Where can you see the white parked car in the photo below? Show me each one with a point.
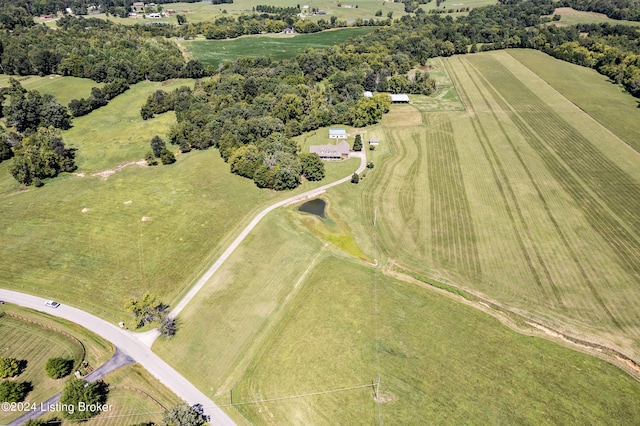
(51, 304)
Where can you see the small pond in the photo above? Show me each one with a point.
(315, 206)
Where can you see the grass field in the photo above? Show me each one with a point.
(571, 16)
(445, 98)
(39, 338)
(64, 89)
(36, 345)
(116, 133)
(613, 108)
(214, 52)
(440, 362)
(92, 242)
(504, 200)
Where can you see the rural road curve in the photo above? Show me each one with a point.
(224, 256)
(139, 348)
(130, 345)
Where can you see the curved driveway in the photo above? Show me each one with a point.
(309, 194)
(139, 349)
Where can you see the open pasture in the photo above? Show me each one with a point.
(276, 47)
(439, 361)
(523, 198)
(92, 242)
(64, 89)
(571, 16)
(116, 133)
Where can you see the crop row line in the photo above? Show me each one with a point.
(588, 204)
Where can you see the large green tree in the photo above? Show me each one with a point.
(185, 415)
(41, 155)
(357, 143)
(312, 166)
(9, 367)
(57, 368)
(85, 399)
(11, 391)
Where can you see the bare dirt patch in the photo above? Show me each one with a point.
(106, 173)
(385, 397)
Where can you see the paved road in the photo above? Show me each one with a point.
(212, 270)
(138, 348)
(128, 343)
(119, 359)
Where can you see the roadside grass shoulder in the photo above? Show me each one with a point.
(134, 397)
(439, 361)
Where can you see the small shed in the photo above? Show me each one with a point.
(337, 133)
(374, 142)
(400, 98)
(368, 94)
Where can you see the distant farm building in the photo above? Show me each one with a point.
(400, 98)
(337, 133)
(331, 152)
(289, 31)
(374, 142)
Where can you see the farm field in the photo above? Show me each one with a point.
(571, 16)
(614, 109)
(215, 52)
(503, 200)
(205, 11)
(239, 305)
(439, 361)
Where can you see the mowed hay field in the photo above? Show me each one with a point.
(439, 361)
(524, 199)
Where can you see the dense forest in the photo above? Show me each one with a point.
(252, 107)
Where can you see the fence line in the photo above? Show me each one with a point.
(64, 333)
